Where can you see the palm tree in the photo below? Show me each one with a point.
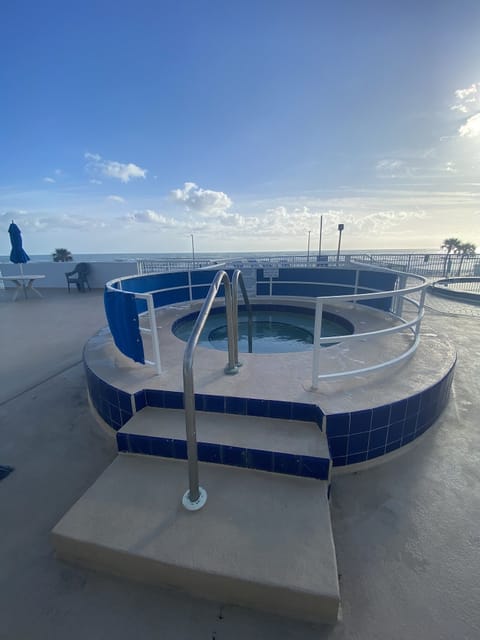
(450, 244)
(464, 249)
(62, 255)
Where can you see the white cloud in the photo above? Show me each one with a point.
(203, 201)
(49, 180)
(116, 199)
(471, 127)
(149, 216)
(392, 168)
(461, 94)
(94, 181)
(468, 100)
(113, 169)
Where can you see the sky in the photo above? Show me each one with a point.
(133, 126)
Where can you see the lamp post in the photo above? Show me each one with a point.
(340, 229)
(308, 248)
(320, 239)
(193, 252)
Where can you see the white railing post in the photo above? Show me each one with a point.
(420, 312)
(190, 285)
(153, 328)
(398, 306)
(317, 334)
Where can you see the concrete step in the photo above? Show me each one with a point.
(262, 540)
(282, 446)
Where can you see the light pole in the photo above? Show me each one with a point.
(308, 248)
(320, 239)
(340, 229)
(193, 252)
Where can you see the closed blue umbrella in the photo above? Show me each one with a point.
(17, 254)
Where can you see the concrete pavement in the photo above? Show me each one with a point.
(406, 532)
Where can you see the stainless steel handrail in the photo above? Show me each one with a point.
(196, 496)
(237, 279)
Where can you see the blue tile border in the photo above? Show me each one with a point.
(364, 435)
(352, 436)
(305, 466)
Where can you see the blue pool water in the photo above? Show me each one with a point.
(274, 330)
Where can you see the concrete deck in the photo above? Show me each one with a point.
(262, 540)
(406, 532)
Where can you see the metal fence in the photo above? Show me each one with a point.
(430, 265)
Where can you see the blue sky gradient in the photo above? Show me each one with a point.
(128, 126)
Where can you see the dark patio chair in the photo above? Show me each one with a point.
(79, 277)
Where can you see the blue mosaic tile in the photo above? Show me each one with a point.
(162, 447)
(426, 415)
(354, 458)
(408, 438)
(180, 449)
(140, 400)
(234, 456)
(173, 400)
(279, 409)
(262, 460)
(374, 453)
(398, 411)
(358, 442)
(199, 400)
(391, 446)
(421, 429)
(125, 417)
(125, 402)
(257, 407)
(301, 411)
(395, 431)
(360, 421)
(116, 416)
(410, 424)
(310, 467)
(338, 425)
(378, 438)
(413, 405)
(110, 394)
(237, 406)
(339, 461)
(319, 415)
(430, 396)
(155, 398)
(338, 446)
(122, 442)
(104, 411)
(208, 452)
(286, 463)
(139, 444)
(381, 416)
(215, 404)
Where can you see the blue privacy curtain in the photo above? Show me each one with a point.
(122, 317)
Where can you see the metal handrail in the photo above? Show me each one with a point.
(413, 326)
(237, 279)
(196, 496)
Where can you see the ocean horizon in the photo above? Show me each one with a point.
(212, 255)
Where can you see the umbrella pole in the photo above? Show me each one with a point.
(23, 282)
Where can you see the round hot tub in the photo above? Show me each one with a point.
(274, 329)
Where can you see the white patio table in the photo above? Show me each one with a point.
(23, 282)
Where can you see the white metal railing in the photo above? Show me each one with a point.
(413, 325)
(401, 295)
